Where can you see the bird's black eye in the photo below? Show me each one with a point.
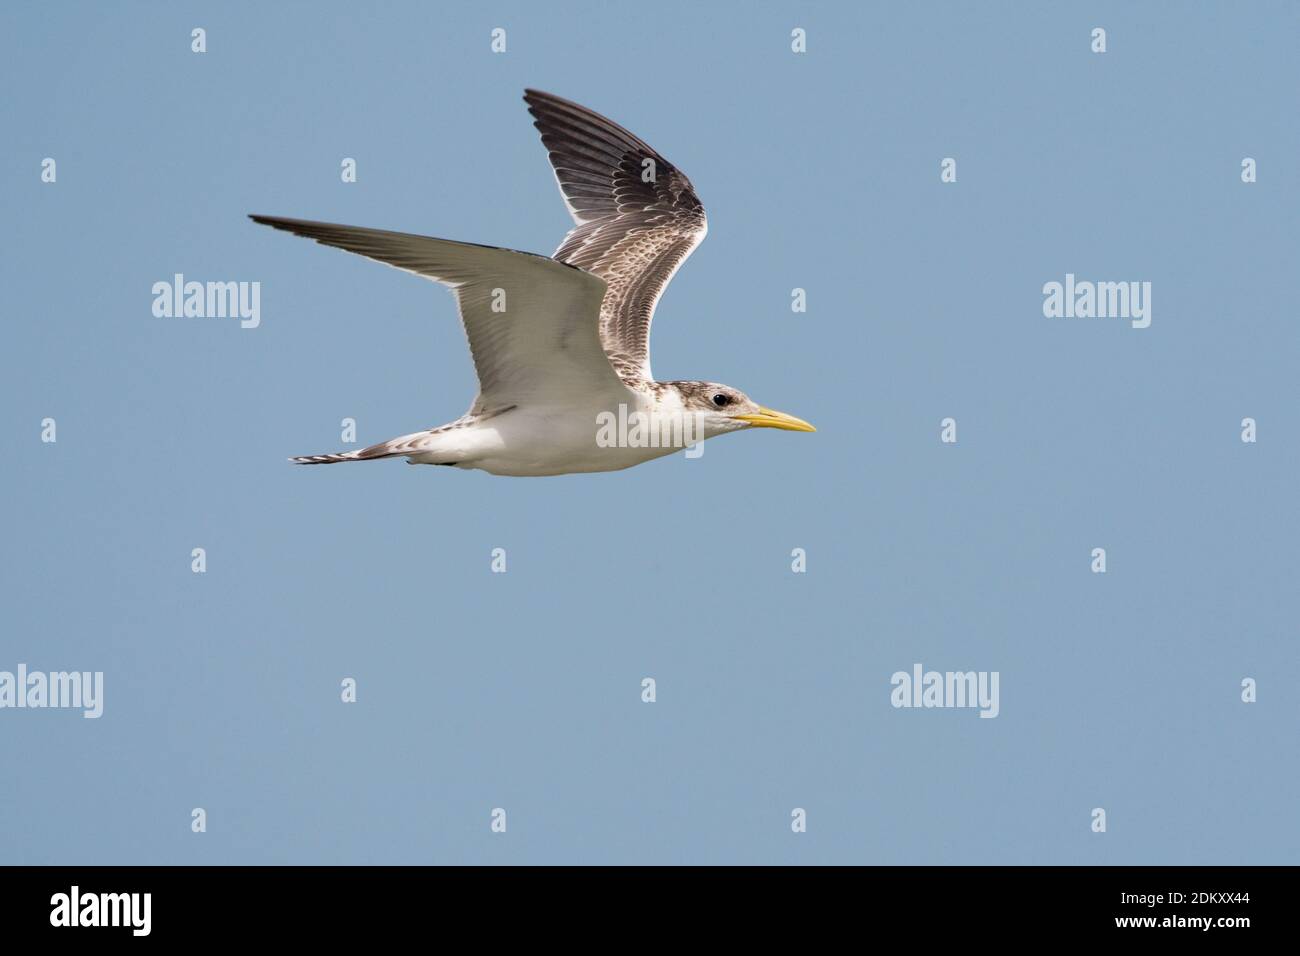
(721, 400)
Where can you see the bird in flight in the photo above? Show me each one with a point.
(561, 345)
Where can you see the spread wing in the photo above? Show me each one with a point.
(530, 321)
(637, 216)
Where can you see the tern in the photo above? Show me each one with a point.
(561, 343)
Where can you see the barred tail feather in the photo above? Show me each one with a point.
(327, 459)
(394, 447)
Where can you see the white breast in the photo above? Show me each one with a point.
(537, 441)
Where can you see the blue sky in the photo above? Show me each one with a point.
(523, 690)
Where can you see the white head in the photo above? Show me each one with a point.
(725, 409)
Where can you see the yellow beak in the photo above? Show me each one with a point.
(767, 418)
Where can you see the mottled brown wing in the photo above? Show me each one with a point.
(637, 216)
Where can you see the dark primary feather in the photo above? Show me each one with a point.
(631, 232)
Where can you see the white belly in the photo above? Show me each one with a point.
(535, 442)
